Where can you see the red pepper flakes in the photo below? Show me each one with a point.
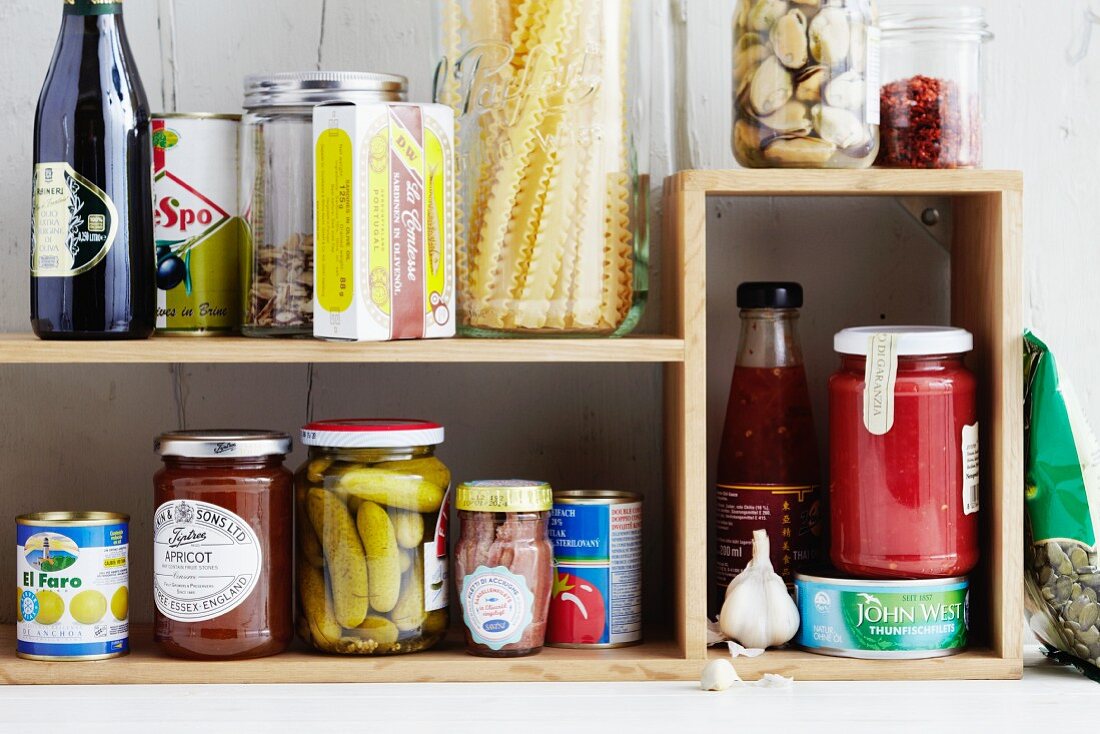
(927, 123)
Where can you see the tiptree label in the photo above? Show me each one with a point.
(206, 560)
(74, 222)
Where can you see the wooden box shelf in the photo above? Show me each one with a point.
(986, 298)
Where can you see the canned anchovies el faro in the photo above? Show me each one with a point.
(197, 225)
(597, 597)
(73, 582)
(883, 620)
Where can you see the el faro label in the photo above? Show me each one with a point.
(206, 560)
(74, 222)
(72, 581)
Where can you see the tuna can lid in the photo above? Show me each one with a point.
(309, 88)
(913, 341)
(504, 495)
(222, 444)
(372, 433)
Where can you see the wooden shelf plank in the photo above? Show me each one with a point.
(976, 664)
(449, 663)
(27, 349)
(871, 182)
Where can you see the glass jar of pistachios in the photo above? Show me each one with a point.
(276, 189)
(806, 80)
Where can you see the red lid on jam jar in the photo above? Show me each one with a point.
(372, 433)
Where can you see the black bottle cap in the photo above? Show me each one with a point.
(769, 295)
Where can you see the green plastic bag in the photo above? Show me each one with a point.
(1062, 508)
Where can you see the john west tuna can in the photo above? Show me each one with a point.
(597, 597)
(197, 226)
(73, 579)
(883, 620)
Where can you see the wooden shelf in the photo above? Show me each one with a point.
(449, 663)
(873, 182)
(986, 297)
(27, 349)
(976, 664)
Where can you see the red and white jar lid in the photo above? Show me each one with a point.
(372, 433)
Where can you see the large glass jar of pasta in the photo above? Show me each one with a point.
(552, 100)
(371, 514)
(276, 190)
(805, 83)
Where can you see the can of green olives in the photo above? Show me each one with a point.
(72, 575)
(197, 223)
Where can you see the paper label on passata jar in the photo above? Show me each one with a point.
(206, 560)
(970, 463)
(879, 379)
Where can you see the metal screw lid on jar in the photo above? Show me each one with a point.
(913, 341)
(504, 495)
(372, 433)
(223, 444)
(307, 88)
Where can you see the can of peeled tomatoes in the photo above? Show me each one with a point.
(196, 225)
(73, 582)
(597, 596)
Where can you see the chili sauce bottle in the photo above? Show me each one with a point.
(768, 467)
(93, 264)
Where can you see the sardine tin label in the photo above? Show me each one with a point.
(72, 584)
(597, 595)
(497, 606)
(853, 618)
(206, 560)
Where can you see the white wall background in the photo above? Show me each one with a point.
(81, 437)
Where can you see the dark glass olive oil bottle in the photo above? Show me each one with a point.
(93, 264)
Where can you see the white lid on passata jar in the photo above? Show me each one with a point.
(882, 346)
(911, 341)
(372, 433)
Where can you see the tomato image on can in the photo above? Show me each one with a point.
(597, 593)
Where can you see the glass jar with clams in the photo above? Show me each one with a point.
(552, 102)
(276, 190)
(805, 76)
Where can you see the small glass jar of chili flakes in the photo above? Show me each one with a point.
(931, 99)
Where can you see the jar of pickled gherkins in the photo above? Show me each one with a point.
(552, 103)
(276, 190)
(371, 517)
(805, 83)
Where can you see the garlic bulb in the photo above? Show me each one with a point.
(758, 611)
(718, 675)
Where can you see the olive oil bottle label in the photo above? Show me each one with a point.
(206, 560)
(93, 7)
(74, 222)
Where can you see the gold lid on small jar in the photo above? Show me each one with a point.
(504, 495)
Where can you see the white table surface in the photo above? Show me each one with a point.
(1047, 693)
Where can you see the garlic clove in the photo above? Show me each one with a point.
(718, 675)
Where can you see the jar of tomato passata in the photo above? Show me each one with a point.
(222, 547)
(903, 424)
